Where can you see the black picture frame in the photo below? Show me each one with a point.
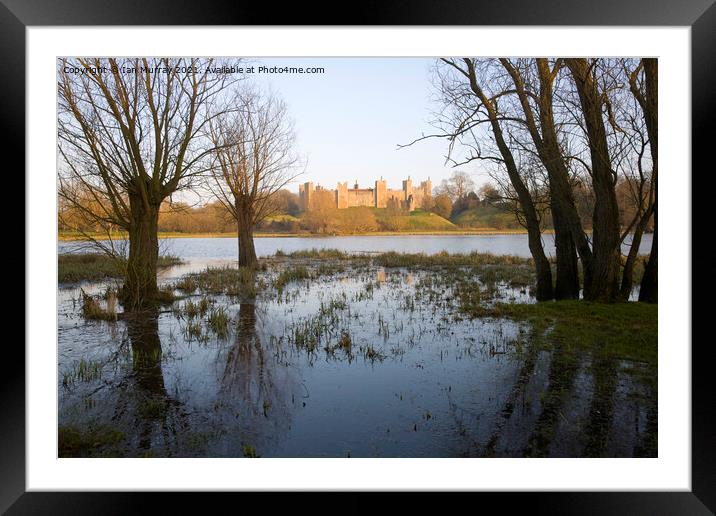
(700, 15)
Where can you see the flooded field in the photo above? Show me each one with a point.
(335, 356)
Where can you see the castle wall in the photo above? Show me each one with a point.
(361, 197)
(398, 195)
(342, 197)
(322, 199)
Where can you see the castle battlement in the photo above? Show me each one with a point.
(409, 197)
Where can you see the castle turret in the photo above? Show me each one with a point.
(305, 195)
(407, 188)
(381, 193)
(427, 188)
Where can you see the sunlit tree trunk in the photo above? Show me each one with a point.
(247, 251)
(140, 286)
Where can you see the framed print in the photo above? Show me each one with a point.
(414, 255)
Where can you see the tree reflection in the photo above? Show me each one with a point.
(256, 392)
(156, 414)
(601, 412)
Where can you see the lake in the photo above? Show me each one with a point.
(226, 248)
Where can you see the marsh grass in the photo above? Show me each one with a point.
(164, 296)
(445, 259)
(187, 284)
(194, 330)
(344, 342)
(317, 254)
(372, 354)
(93, 310)
(82, 371)
(191, 309)
(219, 322)
(290, 275)
(74, 267)
(249, 452)
(232, 281)
(88, 442)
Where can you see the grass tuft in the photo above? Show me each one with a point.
(92, 309)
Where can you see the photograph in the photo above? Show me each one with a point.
(357, 257)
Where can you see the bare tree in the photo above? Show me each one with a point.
(553, 125)
(537, 103)
(129, 134)
(644, 85)
(606, 240)
(473, 107)
(457, 186)
(254, 159)
(636, 183)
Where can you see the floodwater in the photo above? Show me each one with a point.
(225, 248)
(359, 361)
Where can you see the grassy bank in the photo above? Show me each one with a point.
(96, 266)
(487, 217)
(624, 331)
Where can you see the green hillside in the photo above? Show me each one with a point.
(417, 220)
(486, 217)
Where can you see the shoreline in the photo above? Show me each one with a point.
(486, 232)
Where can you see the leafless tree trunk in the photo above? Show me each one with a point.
(532, 222)
(254, 159)
(647, 94)
(640, 187)
(128, 135)
(468, 108)
(569, 234)
(604, 281)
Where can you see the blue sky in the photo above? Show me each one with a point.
(350, 119)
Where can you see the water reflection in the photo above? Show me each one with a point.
(370, 362)
(156, 414)
(256, 392)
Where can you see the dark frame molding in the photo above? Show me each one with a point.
(700, 15)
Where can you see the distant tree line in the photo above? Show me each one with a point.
(457, 199)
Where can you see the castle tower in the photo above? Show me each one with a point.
(427, 188)
(407, 188)
(342, 195)
(305, 195)
(381, 193)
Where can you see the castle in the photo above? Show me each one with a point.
(408, 197)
